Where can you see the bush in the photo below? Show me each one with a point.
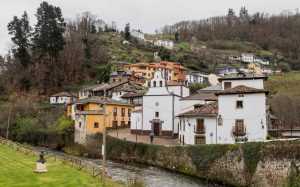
(203, 155)
(251, 155)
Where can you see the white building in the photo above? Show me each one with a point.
(262, 61)
(168, 44)
(63, 98)
(138, 34)
(196, 77)
(242, 79)
(247, 57)
(238, 115)
(161, 105)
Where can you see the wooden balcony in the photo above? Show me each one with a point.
(239, 132)
(200, 131)
(89, 112)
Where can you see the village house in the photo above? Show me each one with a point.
(124, 75)
(135, 99)
(238, 114)
(247, 57)
(227, 71)
(63, 98)
(138, 34)
(161, 105)
(88, 114)
(196, 77)
(254, 69)
(168, 44)
(115, 90)
(261, 61)
(171, 70)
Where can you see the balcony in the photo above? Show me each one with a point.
(239, 132)
(200, 131)
(88, 112)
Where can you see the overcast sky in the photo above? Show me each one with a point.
(146, 15)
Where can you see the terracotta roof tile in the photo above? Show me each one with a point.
(202, 96)
(241, 90)
(206, 110)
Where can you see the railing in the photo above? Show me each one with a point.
(71, 160)
(239, 132)
(84, 112)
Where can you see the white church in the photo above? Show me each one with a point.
(235, 112)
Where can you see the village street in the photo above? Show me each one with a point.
(125, 133)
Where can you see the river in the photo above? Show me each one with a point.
(151, 175)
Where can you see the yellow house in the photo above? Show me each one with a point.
(255, 68)
(89, 116)
(142, 69)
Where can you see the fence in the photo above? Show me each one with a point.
(71, 160)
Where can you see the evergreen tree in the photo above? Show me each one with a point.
(127, 35)
(21, 34)
(230, 12)
(164, 54)
(49, 30)
(176, 37)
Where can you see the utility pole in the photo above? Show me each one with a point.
(8, 119)
(104, 140)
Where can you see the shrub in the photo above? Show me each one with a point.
(203, 155)
(251, 155)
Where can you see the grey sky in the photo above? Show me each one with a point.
(146, 15)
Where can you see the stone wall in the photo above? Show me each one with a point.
(250, 164)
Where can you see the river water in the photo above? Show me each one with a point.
(152, 176)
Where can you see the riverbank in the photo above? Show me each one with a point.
(17, 169)
(249, 164)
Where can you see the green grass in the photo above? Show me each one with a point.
(288, 83)
(17, 169)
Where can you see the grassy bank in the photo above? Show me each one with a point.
(17, 170)
(284, 84)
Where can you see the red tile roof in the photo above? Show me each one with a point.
(202, 96)
(206, 110)
(241, 90)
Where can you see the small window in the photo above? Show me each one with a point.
(156, 114)
(160, 83)
(239, 104)
(129, 112)
(120, 93)
(154, 83)
(79, 124)
(227, 85)
(96, 125)
(115, 111)
(114, 80)
(123, 112)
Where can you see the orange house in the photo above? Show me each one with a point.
(171, 70)
(89, 116)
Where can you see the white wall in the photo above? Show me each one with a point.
(179, 90)
(188, 126)
(60, 100)
(253, 114)
(136, 121)
(80, 132)
(254, 83)
(117, 95)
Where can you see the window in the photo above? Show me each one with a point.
(227, 85)
(115, 111)
(123, 112)
(200, 126)
(239, 125)
(79, 124)
(122, 124)
(239, 104)
(120, 93)
(154, 83)
(96, 125)
(114, 80)
(160, 83)
(129, 112)
(156, 114)
(183, 125)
